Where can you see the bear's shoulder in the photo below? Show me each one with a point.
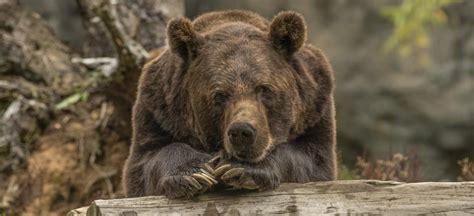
(213, 20)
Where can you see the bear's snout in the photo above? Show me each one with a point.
(247, 135)
(241, 135)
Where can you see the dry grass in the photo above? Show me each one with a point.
(398, 168)
(467, 170)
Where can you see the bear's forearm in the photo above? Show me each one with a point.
(301, 165)
(144, 171)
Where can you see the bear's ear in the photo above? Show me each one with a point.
(287, 32)
(182, 38)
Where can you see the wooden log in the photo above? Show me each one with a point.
(337, 197)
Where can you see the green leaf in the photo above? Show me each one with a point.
(80, 96)
(411, 19)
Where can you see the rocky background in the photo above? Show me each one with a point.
(64, 133)
(386, 103)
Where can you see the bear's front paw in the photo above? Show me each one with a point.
(247, 177)
(186, 186)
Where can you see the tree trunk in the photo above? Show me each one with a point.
(337, 197)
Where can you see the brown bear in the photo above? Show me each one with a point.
(234, 100)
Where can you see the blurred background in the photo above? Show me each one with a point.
(404, 97)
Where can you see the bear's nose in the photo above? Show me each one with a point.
(241, 134)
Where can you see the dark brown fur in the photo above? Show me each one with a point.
(215, 67)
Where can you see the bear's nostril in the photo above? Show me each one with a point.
(233, 134)
(246, 134)
(241, 134)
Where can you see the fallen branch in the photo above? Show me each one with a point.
(105, 65)
(338, 197)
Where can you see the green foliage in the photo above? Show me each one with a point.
(411, 20)
(344, 173)
(80, 96)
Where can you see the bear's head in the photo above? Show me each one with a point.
(242, 89)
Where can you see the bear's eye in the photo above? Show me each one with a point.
(265, 93)
(219, 98)
(263, 90)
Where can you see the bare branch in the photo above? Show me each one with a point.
(106, 66)
(131, 54)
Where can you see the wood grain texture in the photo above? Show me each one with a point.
(337, 197)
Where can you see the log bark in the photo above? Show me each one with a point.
(338, 197)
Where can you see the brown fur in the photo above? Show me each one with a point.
(226, 67)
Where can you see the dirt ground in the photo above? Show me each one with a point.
(77, 159)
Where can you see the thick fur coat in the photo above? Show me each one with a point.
(225, 72)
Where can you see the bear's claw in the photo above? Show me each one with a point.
(203, 179)
(235, 177)
(198, 182)
(234, 172)
(214, 159)
(250, 184)
(208, 167)
(221, 170)
(193, 182)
